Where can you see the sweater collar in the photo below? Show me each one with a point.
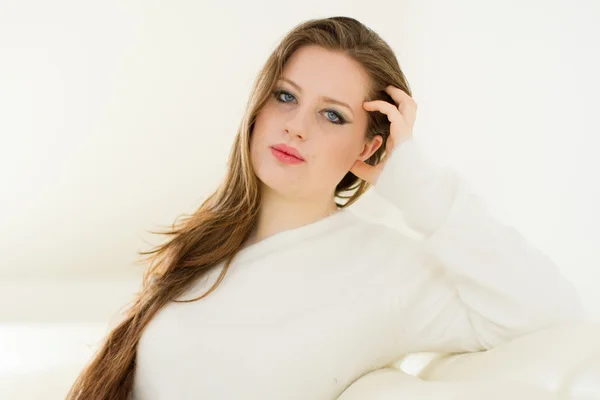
(286, 238)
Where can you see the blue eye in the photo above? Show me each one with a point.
(340, 120)
(277, 94)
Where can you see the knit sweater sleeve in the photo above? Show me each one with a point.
(472, 282)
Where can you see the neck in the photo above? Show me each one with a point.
(278, 213)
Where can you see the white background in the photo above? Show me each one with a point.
(116, 117)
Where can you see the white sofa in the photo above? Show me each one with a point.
(556, 363)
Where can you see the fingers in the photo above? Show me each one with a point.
(401, 117)
(399, 95)
(406, 104)
(385, 107)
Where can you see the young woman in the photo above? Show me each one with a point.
(275, 289)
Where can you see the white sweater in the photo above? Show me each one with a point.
(304, 313)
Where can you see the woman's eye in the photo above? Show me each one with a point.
(280, 96)
(339, 120)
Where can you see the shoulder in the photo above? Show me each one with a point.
(390, 233)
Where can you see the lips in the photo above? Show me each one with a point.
(288, 150)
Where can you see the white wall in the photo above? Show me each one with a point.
(116, 117)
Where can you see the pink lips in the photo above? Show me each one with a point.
(286, 154)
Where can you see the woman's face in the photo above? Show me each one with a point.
(306, 113)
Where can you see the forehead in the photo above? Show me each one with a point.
(322, 72)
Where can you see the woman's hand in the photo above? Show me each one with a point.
(402, 117)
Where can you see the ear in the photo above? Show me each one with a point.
(370, 147)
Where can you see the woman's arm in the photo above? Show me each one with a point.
(472, 282)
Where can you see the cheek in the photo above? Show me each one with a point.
(257, 155)
(257, 137)
(255, 145)
(339, 156)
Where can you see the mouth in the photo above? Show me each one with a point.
(287, 154)
(288, 150)
(285, 157)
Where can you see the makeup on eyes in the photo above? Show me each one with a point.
(341, 120)
(324, 98)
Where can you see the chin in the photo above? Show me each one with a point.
(276, 182)
(279, 183)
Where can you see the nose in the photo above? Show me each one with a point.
(296, 123)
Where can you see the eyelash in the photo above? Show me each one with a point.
(341, 120)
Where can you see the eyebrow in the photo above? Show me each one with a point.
(327, 99)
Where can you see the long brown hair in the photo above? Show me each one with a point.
(217, 230)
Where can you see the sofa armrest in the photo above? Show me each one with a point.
(394, 384)
(561, 362)
(584, 383)
(564, 360)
